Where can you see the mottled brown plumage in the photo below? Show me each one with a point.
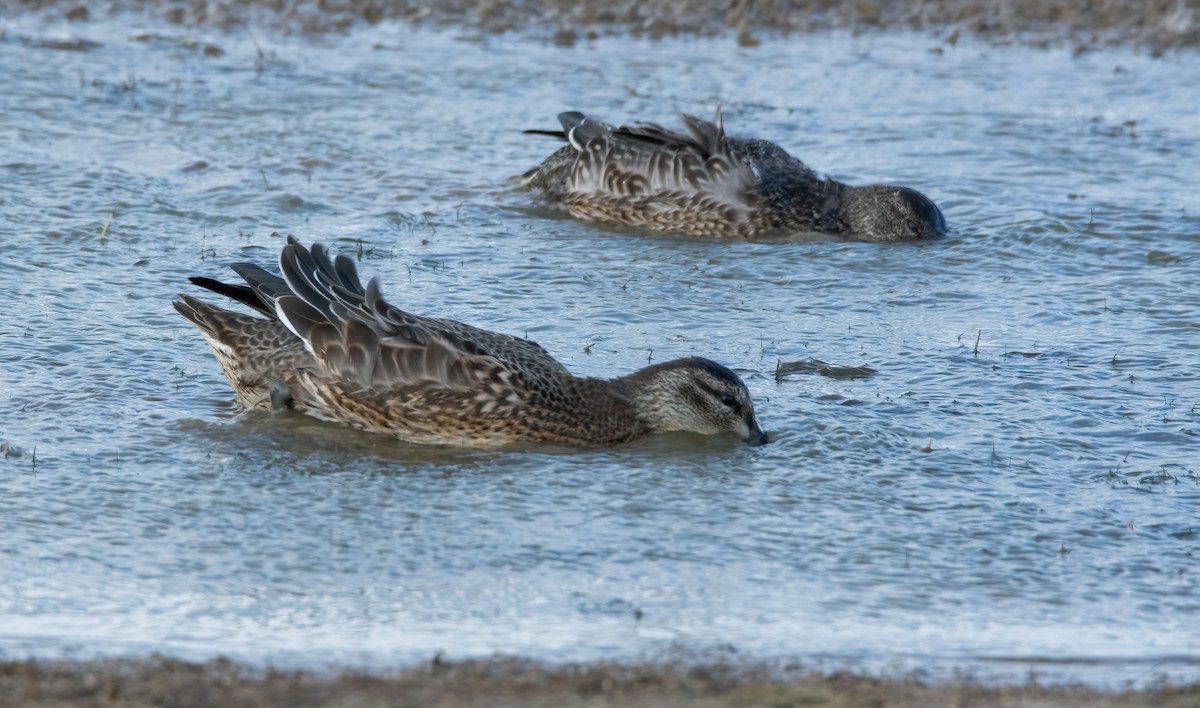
(704, 183)
(336, 350)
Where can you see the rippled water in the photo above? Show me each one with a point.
(1018, 481)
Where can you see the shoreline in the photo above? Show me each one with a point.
(1156, 25)
(512, 681)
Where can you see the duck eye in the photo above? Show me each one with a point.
(729, 400)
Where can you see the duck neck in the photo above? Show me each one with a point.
(651, 395)
(607, 410)
(801, 201)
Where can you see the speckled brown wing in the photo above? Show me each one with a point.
(354, 352)
(521, 355)
(651, 177)
(359, 337)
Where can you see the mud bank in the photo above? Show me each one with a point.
(505, 682)
(1155, 24)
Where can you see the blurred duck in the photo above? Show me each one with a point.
(703, 183)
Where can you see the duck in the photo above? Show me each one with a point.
(702, 182)
(323, 344)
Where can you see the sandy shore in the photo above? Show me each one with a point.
(1154, 24)
(506, 682)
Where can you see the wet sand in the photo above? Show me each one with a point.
(1155, 24)
(505, 682)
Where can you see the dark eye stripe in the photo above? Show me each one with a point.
(736, 406)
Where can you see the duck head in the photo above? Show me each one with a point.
(891, 214)
(695, 395)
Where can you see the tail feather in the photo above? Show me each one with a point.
(197, 312)
(241, 293)
(570, 120)
(315, 290)
(268, 285)
(257, 355)
(218, 325)
(548, 133)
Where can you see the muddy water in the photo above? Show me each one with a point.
(1017, 485)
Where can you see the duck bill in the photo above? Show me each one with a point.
(757, 437)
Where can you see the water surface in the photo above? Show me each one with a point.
(1016, 483)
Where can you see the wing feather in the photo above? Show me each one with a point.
(615, 167)
(364, 351)
(359, 338)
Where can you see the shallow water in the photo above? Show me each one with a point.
(1016, 486)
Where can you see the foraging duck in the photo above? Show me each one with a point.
(338, 351)
(706, 184)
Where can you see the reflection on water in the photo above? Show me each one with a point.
(1016, 479)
